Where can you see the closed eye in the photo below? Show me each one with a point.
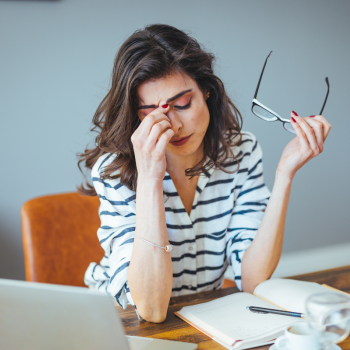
(186, 106)
(147, 111)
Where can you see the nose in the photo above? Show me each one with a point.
(175, 121)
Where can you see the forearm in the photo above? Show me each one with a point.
(261, 258)
(150, 270)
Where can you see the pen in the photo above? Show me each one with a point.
(262, 310)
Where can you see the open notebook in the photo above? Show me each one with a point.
(227, 321)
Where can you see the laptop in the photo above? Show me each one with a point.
(42, 316)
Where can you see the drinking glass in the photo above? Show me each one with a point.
(328, 314)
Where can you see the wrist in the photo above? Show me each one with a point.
(149, 193)
(151, 184)
(283, 179)
(281, 172)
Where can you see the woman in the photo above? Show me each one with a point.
(172, 168)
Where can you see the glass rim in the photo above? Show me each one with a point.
(258, 103)
(314, 297)
(276, 117)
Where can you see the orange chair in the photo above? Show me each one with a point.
(60, 237)
(228, 283)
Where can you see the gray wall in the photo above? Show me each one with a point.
(55, 64)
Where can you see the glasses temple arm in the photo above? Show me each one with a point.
(257, 88)
(324, 103)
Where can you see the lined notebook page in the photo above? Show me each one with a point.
(228, 319)
(290, 295)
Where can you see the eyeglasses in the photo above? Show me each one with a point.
(267, 114)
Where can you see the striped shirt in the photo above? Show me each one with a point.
(226, 213)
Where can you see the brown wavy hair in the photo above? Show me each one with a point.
(152, 53)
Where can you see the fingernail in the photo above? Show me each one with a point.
(311, 116)
(165, 106)
(294, 119)
(295, 113)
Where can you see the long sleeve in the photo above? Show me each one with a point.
(249, 207)
(116, 235)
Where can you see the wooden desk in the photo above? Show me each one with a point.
(173, 328)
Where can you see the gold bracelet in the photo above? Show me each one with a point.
(168, 248)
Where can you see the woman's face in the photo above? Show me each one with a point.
(188, 113)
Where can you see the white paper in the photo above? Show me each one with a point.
(289, 294)
(229, 320)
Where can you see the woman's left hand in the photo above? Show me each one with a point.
(311, 133)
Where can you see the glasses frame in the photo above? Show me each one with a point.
(285, 122)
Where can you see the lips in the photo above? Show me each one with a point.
(182, 138)
(180, 142)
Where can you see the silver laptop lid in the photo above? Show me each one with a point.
(45, 316)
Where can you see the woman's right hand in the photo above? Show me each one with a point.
(150, 140)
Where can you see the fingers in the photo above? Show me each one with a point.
(309, 136)
(318, 129)
(151, 119)
(305, 146)
(163, 141)
(326, 126)
(154, 117)
(156, 131)
(321, 128)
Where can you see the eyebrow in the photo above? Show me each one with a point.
(167, 101)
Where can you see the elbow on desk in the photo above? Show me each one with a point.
(154, 315)
(248, 289)
(249, 285)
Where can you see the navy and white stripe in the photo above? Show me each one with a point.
(226, 213)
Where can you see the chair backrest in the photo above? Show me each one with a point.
(60, 237)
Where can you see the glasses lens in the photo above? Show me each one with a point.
(263, 113)
(288, 127)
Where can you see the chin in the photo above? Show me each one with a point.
(183, 152)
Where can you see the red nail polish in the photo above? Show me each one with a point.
(295, 113)
(165, 106)
(311, 116)
(294, 119)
